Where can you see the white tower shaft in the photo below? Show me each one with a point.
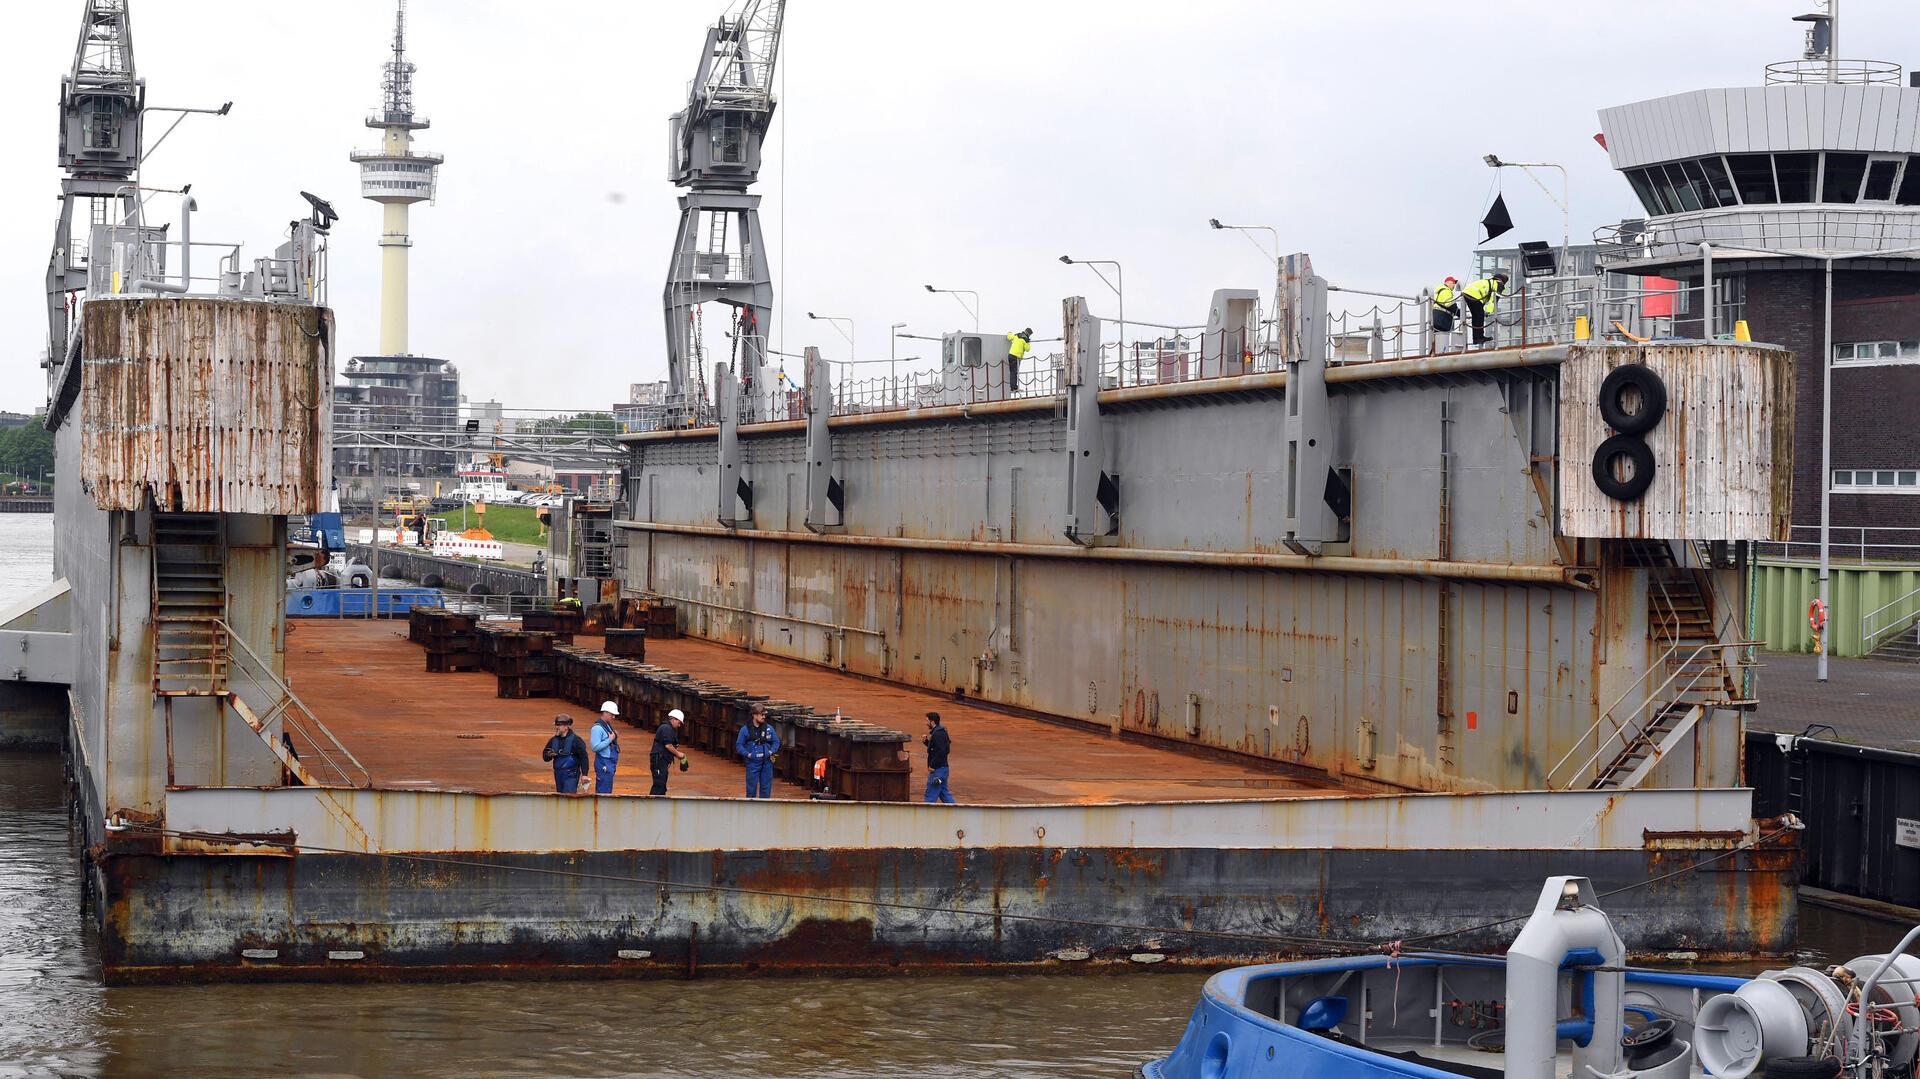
(396, 176)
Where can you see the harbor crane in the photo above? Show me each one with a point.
(719, 252)
(101, 102)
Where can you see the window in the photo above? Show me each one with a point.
(1875, 353)
(1880, 481)
(1753, 175)
(1718, 184)
(1683, 188)
(1841, 181)
(1910, 184)
(1880, 176)
(1644, 188)
(1795, 173)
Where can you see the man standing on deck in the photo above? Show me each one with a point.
(569, 755)
(757, 744)
(606, 748)
(1017, 346)
(666, 746)
(938, 743)
(1482, 297)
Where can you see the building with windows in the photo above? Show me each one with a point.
(1795, 206)
(1765, 189)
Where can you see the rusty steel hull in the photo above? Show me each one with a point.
(171, 918)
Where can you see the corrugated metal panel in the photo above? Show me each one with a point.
(1723, 453)
(1782, 591)
(206, 404)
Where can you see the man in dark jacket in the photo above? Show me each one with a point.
(568, 752)
(938, 743)
(666, 746)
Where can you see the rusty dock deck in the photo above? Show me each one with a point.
(418, 731)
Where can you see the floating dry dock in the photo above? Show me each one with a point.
(397, 844)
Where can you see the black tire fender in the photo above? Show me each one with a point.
(1639, 477)
(1653, 399)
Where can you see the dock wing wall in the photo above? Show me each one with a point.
(206, 405)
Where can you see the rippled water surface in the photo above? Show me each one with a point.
(56, 1019)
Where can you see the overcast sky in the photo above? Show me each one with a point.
(967, 145)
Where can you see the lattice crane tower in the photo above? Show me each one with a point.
(720, 253)
(396, 176)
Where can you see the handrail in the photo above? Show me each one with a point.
(1869, 636)
(1653, 697)
(287, 698)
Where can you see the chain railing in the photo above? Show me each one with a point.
(1539, 311)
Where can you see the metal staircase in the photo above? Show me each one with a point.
(1888, 631)
(189, 606)
(196, 653)
(1696, 673)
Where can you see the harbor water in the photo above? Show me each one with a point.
(56, 1018)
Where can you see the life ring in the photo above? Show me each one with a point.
(1817, 615)
(1639, 457)
(1653, 399)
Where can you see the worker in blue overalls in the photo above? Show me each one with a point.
(606, 748)
(568, 752)
(757, 744)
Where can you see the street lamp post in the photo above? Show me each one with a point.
(893, 346)
(1119, 290)
(853, 353)
(1270, 230)
(956, 293)
(1566, 198)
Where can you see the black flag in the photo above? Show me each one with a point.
(1497, 222)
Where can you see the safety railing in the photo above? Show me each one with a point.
(321, 754)
(1766, 229)
(1880, 624)
(1847, 72)
(1537, 311)
(1634, 723)
(1852, 543)
(496, 607)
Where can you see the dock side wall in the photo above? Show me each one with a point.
(935, 582)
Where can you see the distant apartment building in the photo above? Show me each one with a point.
(395, 394)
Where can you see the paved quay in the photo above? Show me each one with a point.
(1866, 701)
(414, 730)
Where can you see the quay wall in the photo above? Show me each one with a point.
(452, 573)
(1454, 642)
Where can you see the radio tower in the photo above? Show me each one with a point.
(396, 177)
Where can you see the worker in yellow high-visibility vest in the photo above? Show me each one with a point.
(1446, 304)
(1481, 298)
(1018, 344)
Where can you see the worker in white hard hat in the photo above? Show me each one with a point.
(666, 746)
(606, 748)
